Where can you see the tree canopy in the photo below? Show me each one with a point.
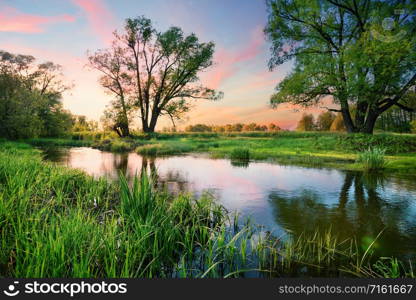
(360, 53)
(30, 98)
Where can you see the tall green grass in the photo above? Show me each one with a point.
(373, 159)
(58, 222)
(240, 154)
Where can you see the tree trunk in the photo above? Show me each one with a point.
(150, 127)
(118, 131)
(125, 130)
(349, 125)
(370, 122)
(360, 112)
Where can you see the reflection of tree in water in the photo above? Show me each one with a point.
(120, 162)
(172, 181)
(360, 211)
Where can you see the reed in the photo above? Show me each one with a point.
(373, 159)
(240, 154)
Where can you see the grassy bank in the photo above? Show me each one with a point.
(316, 149)
(58, 222)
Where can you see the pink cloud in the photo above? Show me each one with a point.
(227, 61)
(99, 17)
(12, 20)
(259, 81)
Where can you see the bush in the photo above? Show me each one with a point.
(413, 126)
(240, 154)
(164, 149)
(121, 146)
(392, 143)
(117, 145)
(151, 149)
(373, 159)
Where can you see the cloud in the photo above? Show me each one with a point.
(99, 17)
(227, 62)
(12, 20)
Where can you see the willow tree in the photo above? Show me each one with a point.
(360, 53)
(154, 73)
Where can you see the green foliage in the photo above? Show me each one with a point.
(306, 123)
(232, 128)
(318, 149)
(373, 159)
(413, 126)
(390, 142)
(116, 144)
(134, 230)
(161, 86)
(198, 128)
(345, 50)
(325, 120)
(388, 267)
(165, 148)
(46, 142)
(240, 154)
(30, 98)
(396, 119)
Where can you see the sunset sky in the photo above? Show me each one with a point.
(63, 30)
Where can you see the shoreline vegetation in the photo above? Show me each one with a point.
(60, 222)
(308, 149)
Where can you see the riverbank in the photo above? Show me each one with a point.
(310, 149)
(59, 222)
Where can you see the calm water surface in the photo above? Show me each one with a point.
(281, 198)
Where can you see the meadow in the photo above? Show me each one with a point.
(60, 222)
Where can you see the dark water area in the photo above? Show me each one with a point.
(280, 198)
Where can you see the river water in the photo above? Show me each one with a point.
(280, 198)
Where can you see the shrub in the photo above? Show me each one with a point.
(240, 154)
(164, 149)
(392, 143)
(121, 146)
(151, 149)
(413, 126)
(373, 159)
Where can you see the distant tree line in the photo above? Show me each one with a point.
(30, 98)
(237, 127)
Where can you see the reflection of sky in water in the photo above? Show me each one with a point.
(276, 196)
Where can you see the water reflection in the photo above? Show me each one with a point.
(278, 197)
(365, 207)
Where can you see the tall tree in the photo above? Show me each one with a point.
(117, 81)
(359, 52)
(155, 72)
